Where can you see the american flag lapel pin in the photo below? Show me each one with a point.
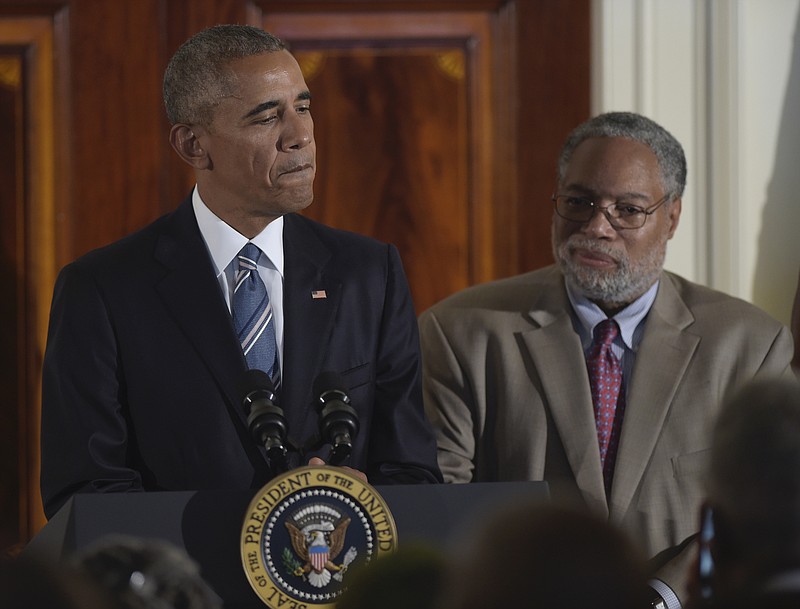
(317, 294)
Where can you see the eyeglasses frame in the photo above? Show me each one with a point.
(647, 211)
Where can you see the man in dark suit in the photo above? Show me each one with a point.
(522, 383)
(144, 359)
(750, 535)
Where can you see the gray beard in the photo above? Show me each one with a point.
(618, 287)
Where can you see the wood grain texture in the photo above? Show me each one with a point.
(12, 305)
(391, 136)
(116, 131)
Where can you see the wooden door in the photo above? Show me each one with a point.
(27, 181)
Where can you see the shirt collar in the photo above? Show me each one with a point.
(224, 242)
(628, 319)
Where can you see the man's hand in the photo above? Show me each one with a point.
(358, 473)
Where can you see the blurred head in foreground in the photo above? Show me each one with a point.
(536, 556)
(752, 512)
(410, 578)
(146, 574)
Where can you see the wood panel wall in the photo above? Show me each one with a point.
(455, 163)
(11, 172)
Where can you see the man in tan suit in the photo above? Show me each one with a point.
(506, 364)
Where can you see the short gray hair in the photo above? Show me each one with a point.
(197, 76)
(668, 151)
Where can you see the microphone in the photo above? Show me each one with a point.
(265, 418)
(338, 420)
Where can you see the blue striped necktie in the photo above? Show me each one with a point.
(252, 315)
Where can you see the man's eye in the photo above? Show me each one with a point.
(628, 211)
(578, 202)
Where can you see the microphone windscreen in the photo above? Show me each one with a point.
(254, 380)
(327, 381)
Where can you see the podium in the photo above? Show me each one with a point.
(207, 524)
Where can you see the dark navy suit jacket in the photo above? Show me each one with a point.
(142, 366)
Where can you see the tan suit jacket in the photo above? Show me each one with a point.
(505, 384)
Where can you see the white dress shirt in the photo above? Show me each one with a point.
(586, 315)
(224, 243)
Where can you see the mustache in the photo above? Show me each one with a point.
(591, 245)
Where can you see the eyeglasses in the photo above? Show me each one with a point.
(619, 215)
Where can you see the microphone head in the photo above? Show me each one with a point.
(265, 419)
(255, 381)
(338, 420)
(328, 381)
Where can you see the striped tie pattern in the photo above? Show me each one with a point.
(252, 315)
(605, 380)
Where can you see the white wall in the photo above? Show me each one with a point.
(724, 77)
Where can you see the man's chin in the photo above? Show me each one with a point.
(595, 284)
(594, 290)
(583, 275)
(289, 205)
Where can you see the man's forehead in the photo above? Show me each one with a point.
(617, 152)
(256, 71)
(612, 166)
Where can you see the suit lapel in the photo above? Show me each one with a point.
(556, 351)
(661, 363)
(312, 296)
(193, 297)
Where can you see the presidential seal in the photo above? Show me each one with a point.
(305, 529)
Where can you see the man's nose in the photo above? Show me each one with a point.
(599, 224)
(298, 132)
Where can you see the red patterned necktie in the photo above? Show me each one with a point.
(605, 379)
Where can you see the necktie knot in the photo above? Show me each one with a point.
(248, 257)
(605, 332)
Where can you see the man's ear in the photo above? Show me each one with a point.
(185, 140)
(674, 215)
